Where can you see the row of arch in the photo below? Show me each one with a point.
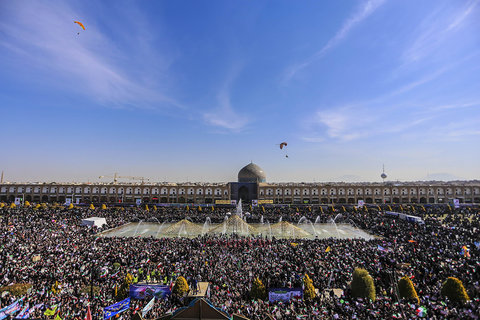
(216, 191)
(405, 191)
(110, 199)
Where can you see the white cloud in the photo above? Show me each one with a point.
(44, 38)
(435, 30)
(371, 120)
(224, 115)
(363, 12)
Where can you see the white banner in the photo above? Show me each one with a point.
(68, 201)
(138, 201)
(78, 201)
(361, 203)
(18, 201)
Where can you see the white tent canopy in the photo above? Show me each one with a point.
(94, 221)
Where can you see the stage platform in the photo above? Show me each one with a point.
(203, 291)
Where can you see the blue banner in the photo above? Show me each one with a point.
(11, 309)
(148, 291)
(284, 294)
(116, 308)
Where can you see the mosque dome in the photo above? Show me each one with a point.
(251, 173)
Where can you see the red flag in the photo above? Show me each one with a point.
(89, 314)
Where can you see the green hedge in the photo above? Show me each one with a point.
(309, 291)
(180, 287)
(454, 290)
(362, 285)
(258, 290)
(407, 290)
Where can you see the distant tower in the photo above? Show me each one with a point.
(383, 175)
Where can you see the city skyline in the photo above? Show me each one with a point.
(194, 91)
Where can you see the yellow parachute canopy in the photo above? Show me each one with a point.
(80, 24)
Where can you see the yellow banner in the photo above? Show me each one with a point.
(265, 201)
(223, 202)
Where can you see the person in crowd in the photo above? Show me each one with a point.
(49, 249)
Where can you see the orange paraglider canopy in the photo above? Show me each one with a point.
(283, 144)
(80, 24)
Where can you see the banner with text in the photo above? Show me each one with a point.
(284, 294)
(148, 291)
(266, 201)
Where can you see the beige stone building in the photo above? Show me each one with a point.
(251, 185)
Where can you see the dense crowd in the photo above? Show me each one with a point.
(70, 254)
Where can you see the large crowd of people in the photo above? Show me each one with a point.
(49, 249)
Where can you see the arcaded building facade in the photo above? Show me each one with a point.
(251, 186)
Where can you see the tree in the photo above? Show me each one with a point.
(362, 285)
(180, 287)
(407, 289)
(258, 290)
(453, 288)
(124, 290)
(309, 291)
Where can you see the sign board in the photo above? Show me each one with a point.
(78, 201)
(361, 203)
(68, 201)
(18, 201)
(254, 203)
(266, 201)
(138, 201)
(228, 202)
(456, 203)
(284, 294)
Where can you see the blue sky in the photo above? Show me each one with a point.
(194, 90)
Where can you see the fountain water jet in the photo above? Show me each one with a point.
(206, 225)
(159, 228)
(136, 229)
